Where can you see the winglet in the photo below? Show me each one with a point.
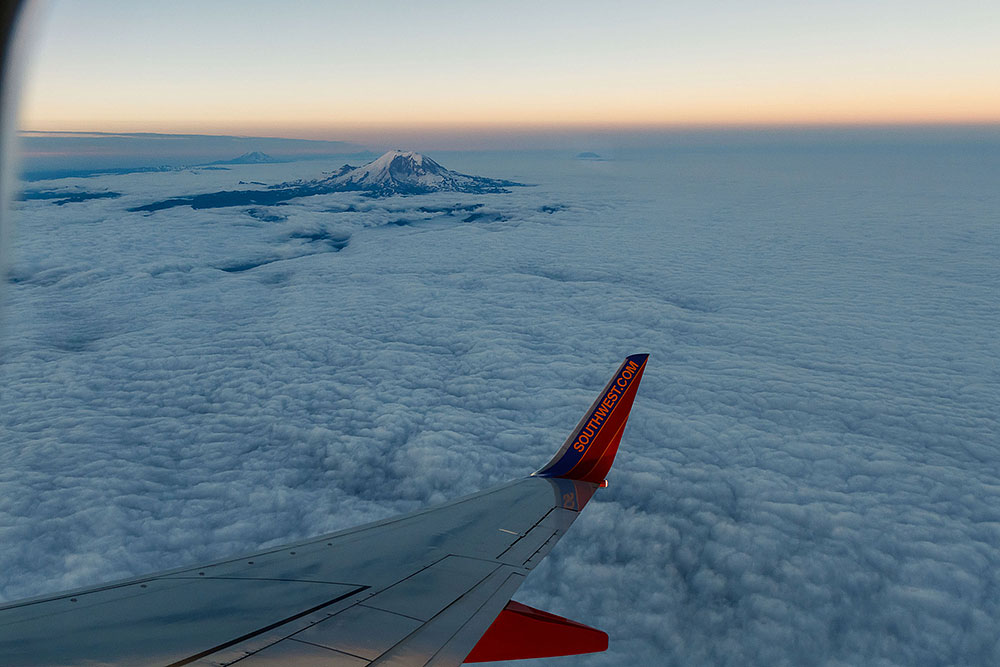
(588, 453)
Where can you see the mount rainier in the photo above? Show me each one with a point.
(394, 173)
(406, 173)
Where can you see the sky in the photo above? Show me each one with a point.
(360, 71)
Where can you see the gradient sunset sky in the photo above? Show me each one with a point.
(345, 70)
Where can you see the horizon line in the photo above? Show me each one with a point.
(535, 127)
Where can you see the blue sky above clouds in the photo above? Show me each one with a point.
(810, 474)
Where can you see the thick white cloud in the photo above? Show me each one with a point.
(810, 474)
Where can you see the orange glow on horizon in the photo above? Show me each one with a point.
(368, 131)
(645, 110)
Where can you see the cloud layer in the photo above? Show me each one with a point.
(809, 476)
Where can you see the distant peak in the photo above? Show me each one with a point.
(253, 157)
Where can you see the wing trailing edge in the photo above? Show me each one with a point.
(590, 450)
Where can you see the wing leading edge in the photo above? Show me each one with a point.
(428, 588)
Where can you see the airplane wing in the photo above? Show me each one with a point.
(428, 588)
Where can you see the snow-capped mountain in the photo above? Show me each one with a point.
(399, 172)
(394, 173)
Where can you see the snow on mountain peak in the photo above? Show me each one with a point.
(409, 172)
(397, 166)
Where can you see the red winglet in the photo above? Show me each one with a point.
(590, 450)
(521, 632)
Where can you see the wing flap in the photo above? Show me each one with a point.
(426, 593)
(361, 631)
(300, 654)
(465, 626)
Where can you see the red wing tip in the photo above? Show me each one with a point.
(521, 632)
